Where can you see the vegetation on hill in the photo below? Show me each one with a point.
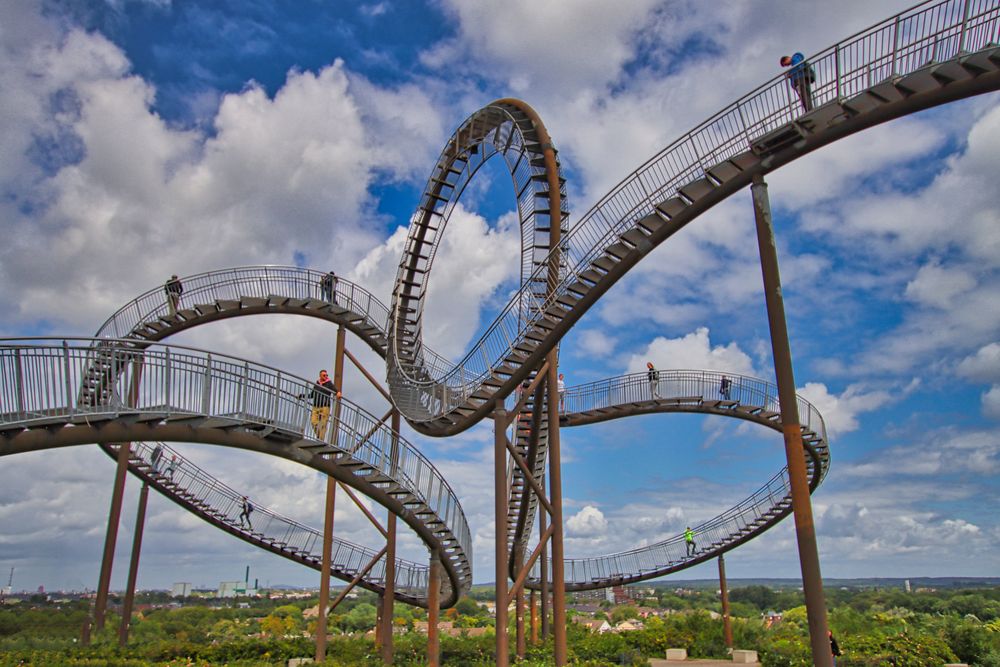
(874, 627)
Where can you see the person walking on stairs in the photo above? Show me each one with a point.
(689, 541)
(245, 509)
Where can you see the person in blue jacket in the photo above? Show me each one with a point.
(801, 77)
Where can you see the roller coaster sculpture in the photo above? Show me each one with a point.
(125, 386)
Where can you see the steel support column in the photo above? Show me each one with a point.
(532, 604)
(114, 515)
(543, 565)
(111, 536)
(555, 499)
(500, 532)
(133, 568)
(805, 530)
(727, 626)
(331, 501)
(433, 609)
(519, 638)
(389, 592)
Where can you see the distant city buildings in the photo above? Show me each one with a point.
(231, 589)
(181, 589)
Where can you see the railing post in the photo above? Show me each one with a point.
(837, 67)
(70, 401)
(166, 380)
(243, 389)
(895, 46)
(274, 401)
(19, 380)
(965, 22)
(206, 387)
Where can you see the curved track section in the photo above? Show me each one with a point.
(251, 290)
(255, 290)
(200, 493)
(700, 392)
(185, 395)
(927, 56)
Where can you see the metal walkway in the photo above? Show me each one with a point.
(80, 391)
(700, 392)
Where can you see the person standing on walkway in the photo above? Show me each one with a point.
(689, 541)
(724, 386)
(653, 376)
(322, 393)
(801, 77)
(561, 388)
(328, 286)
(245, 509)
(174, 289)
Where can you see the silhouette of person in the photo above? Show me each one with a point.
(328, 286)
(653, 376)
(245, 510)
(561, 387)
(689, 541)
(174, 289)
(724, 387)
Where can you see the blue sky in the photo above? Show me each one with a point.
(145, 138)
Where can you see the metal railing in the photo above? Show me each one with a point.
(191, 485)
(927, 33)
(242, 282)
(690, 386)
(698, 390)
(40, 381)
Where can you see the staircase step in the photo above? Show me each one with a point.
(921, 81)
(950, 72)
(672, 207)
(887, 91)
(652, 222)
(982, 62)
(862, 103)
(697, 189)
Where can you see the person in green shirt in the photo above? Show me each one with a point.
(689, 541)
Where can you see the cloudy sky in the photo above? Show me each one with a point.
(144, 138)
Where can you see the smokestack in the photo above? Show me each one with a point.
(246, 577)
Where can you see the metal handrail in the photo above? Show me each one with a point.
(43, 374)
(254, 281)
(697, 390)
(897, 46)
(701, 385)
(235, 283)
(190, 484)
